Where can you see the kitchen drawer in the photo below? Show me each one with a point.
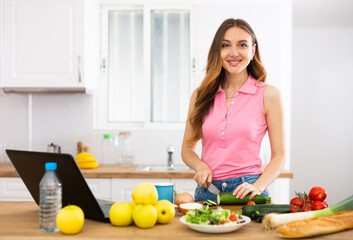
(13, 189)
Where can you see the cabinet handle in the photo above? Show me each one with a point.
(79, 68)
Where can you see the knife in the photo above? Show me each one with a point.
(213, 189)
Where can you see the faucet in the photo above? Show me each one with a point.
(170, 151)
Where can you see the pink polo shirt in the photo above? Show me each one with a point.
(231, 140)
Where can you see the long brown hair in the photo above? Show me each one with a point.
(215, 74)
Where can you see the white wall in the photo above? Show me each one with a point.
(64, 119)
(322, 116)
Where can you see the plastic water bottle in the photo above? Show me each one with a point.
(109, 156)
(50, 201)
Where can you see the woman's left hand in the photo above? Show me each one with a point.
(244, 189)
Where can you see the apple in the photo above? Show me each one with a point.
(120, 214)
(70, 219)
(144, 216)
(165, 210)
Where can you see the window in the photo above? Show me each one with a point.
(145, 67)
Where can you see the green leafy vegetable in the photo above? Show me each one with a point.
(208, 216)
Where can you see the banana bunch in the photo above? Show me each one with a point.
(85, 160)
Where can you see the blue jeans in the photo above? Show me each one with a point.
(228, 185)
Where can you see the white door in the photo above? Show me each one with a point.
(41, 43)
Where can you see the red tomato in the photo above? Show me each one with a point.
(295, 209)
(251, 203)
(317, 194)
(326, 205)
(317, 205)
(307, 209)
(233, 218)
(297, 202)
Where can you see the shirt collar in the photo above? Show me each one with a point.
(248, 87)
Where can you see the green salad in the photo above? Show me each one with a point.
(211, 216)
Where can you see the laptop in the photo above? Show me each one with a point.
(75, 191)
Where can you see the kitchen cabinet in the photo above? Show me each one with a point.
(115, 189)
(1, 43)
(44, 43)
(13, 189)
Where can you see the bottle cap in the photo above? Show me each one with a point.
(107, 135)
(50, 166)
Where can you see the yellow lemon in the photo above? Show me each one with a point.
(165, 210)
(120, 214)
(145, 193)
(88, 165)
(85, 157)
(70, 219)
(145, 216)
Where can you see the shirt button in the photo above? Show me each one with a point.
(232, 102)
(228, 113)
(236, 93)
(222, 133)
(224, 184)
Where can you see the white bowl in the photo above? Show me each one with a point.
(224, 228)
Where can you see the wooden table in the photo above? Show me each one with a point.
(19, 220)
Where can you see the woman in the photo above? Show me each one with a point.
(230, 112)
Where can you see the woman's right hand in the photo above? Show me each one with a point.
(203, 176)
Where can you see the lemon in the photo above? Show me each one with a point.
(70, 219)
(120, 214)
(145, 193)
(145, 216)
(85, 157)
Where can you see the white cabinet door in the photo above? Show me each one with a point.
(13, 189)
(1, 43)
(123, 187)
(184, 185)
(42, 43)
(100, 187)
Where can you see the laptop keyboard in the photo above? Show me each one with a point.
(105, 206)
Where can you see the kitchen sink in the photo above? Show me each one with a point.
(162, 168)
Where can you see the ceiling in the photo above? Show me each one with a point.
(322, 13)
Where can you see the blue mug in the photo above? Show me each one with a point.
(165, 191)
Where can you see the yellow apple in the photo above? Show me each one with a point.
(165, 210)
(145, 193)
(144, 216)
(132, 203)
(70, 219)
(120, 214)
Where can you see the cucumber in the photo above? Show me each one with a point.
(256, 212)
(228, 198)
(209, 203)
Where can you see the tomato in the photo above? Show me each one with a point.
(306, 209)
(326, 205)
(233, 218)
(297, 202)
(317, 205)
(317, 194)
(295, 209)
(250, 203)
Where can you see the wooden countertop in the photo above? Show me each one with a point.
(116, 171)
(19, 220)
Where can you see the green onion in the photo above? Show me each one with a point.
(273, 220)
